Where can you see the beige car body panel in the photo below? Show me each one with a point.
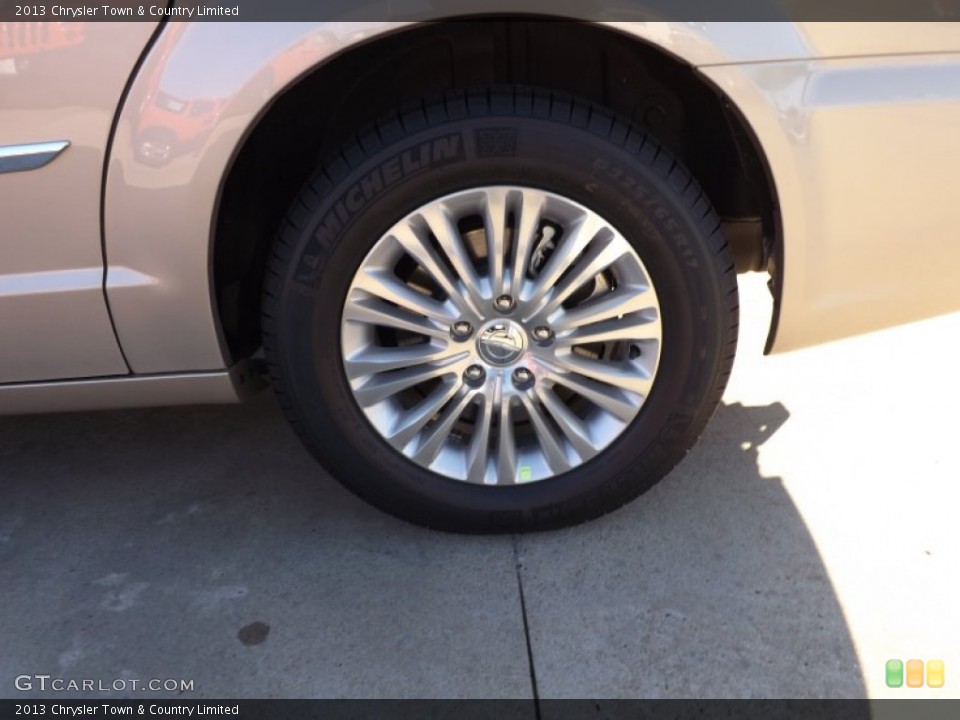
(843, 112)
(128, 391)
(53, 319)
(863, 152)
(168, 237)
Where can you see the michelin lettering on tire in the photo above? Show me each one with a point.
(403, 165)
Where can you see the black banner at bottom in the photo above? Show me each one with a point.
(497, 709)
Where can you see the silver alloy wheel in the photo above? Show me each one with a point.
(501, 335)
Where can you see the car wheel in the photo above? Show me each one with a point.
(501, 310)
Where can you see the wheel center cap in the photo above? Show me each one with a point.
(501, 342)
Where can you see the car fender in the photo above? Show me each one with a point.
(215, 80)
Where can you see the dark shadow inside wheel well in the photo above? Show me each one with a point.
(327, 106)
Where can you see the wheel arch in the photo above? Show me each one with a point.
(294, 102)
(641, 82)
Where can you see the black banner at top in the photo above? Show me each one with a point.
(426, 10)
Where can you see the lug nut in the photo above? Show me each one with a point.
(474, 374)
(504, 303)
(542, 333)
(461, 330)
(522, 376)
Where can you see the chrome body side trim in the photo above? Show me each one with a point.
(18, 158)
(61, 281)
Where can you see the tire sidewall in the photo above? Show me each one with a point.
(623, 185)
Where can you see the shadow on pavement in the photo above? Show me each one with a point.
(204, 544)
(708, 586)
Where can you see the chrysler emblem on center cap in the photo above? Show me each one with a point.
(500, 343)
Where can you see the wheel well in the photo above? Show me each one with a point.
(326, 107)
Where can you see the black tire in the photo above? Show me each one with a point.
(504, 136)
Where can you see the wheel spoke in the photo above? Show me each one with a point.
(600, 254)
(433, 439)
(569, 249)
(609, 306)
(385, 285)
(382, 386)
(531, 209)
(574, 429)
(420, 250)
(495, 229)
(550, 443)
(635, 327)
(624, 374)
(444, 229)
(608, 398)
(409, 424)
(372, 311)
(478, 452)
(374, 359)
(506, 447)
